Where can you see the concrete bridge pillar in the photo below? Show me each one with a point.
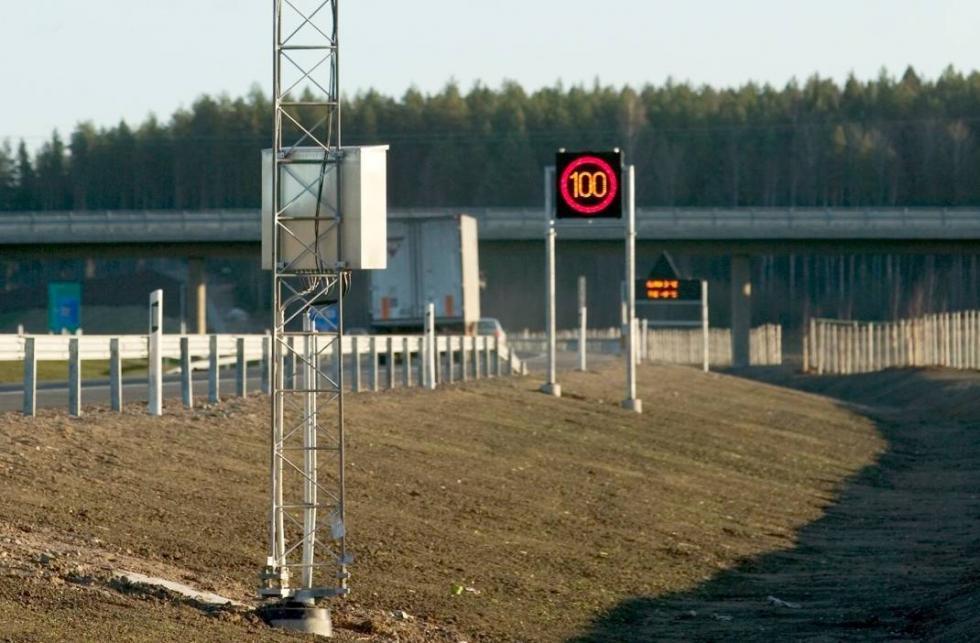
(741, 275)
(197, 293)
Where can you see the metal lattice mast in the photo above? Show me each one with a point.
(307, 558)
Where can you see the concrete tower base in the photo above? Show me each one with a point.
(295, 617)
(635, 405)
(551, 389)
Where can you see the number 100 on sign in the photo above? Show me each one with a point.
(589, 185)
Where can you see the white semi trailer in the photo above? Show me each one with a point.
(430, 259)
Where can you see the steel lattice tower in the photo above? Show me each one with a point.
(307, 559)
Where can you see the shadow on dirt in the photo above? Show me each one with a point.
(895, 557)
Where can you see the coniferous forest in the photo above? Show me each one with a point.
(893, 141)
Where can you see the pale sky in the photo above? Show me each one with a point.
(64, 61)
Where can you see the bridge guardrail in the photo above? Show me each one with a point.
(146, 226)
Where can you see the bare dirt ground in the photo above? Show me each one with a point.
(566, 519)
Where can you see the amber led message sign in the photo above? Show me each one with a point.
(589, 185)
(657, 289)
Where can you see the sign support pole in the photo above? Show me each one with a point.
(431, 356)
(155, 397)
(551, 387)
(705, 330)
(631, 402)
(583, 327)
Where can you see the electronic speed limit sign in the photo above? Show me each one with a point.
(589, 185)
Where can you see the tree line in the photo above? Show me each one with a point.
(891, 141)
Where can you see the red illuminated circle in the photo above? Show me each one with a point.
(602, 170)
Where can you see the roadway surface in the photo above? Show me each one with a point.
(95, 392)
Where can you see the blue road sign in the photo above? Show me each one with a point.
(326, 318)
(64, 306)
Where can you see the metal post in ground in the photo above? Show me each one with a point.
(474, 347)
(705, 329)
(357, 363)
(430, 346)
(498, 362)
(391, 363)
(267, 364)
(155, 393)
(644, 335)
(450, 359)
(487, 362)
(406, 363)
(374, 365)
(583, 325)
(186, 381)
(115, 375)
(631, 402)
(551, 386)
(30, 376)
(241, 368)
(74, 378)
(213, 375)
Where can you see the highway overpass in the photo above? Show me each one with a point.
(511, 249)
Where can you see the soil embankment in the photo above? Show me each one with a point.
(565, 518)
(895, 557)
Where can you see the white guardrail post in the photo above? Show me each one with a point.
(474, 344)
(430, 346)
(406, 363)
(391, 363)
(213, 376)
(115, 375)
(30, 377)
(356, 346)
(186, 377)
(74, 378)
(267, 364)
(241, 368)
(450, 359)
(479, 357)
(487, 364)
(374, 365)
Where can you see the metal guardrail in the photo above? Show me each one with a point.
(479, 356)
(667, 345)
(216, 226)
